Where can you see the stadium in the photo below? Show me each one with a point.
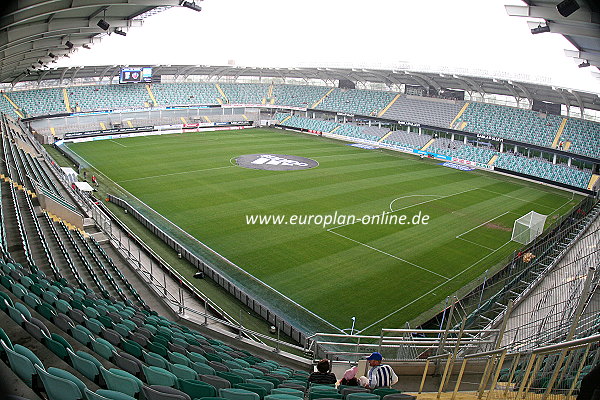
(186, 231)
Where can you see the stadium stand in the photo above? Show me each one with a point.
(510, 123)
(407, 139)
(354, 101)
(245, 93)
(459, 149)
(433, 112)
(545, 169)
(107, 97)
(527, 126)
(582, 134)
(40, 102)
(185, 93)
(298, 96)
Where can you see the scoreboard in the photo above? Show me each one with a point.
(135, 75)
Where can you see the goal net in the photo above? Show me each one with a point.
(528, 227)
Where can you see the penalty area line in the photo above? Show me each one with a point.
(432, 290)
(389, 255)
(480, 225)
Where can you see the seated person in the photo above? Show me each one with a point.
(380, 375)
(350, 378)
(322, 375)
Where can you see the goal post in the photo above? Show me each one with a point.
(528, 227)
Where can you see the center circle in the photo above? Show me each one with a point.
(275, 162)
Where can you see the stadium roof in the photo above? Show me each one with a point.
(438, 81)
(35, 32)
(581, 27)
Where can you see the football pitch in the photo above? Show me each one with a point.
(381, 273)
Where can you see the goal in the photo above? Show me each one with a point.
(528, 227)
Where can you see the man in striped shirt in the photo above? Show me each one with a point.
(380, 375)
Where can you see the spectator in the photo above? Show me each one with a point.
(380, 375)
(350, 378)
(322, 375)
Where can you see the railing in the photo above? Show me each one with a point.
(404, 344)
(549, 370)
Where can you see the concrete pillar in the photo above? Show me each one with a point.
(501, 147)
(407, 129)
(554, 159)
(336, 118)
(465, 140)
(451, 137)
(569, 161)
(370, 122)
(379, 124)
(420, 131)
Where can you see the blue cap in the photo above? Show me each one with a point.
(375, 356)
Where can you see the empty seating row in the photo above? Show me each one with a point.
(511, 123)
(109, 326)
(298, 95)
(432, 112)
(407, 139)
(355, 101)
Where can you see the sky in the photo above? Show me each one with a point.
(473, 37)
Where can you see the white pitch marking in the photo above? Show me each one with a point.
(432, 290)
(472, 229)
(476, 244)
(390, 255)
(174, 173)
(120, 144)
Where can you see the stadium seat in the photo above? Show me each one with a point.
(196, 389)
(238, 394)
(121, 381)
(158, 392)
(58, 387)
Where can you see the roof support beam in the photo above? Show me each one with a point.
(548, 13)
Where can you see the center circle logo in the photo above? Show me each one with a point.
(275, 162)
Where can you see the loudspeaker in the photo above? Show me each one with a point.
(103, 24)
(199, 275)
(567, 7)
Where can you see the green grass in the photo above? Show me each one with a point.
(383, 275)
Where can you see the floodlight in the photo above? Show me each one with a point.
(118, 31)
(567, 7)
(69, 44)
(540, 29)
(103, 24)
(191, 5)
(584, 64)
(85, 46)
(51, 55)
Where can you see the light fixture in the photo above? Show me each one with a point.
(40, 62)
(51, 55)
(584, 64)
(191, 5)
(540, 29)
(85, 46)
(103, 24)
(119, 31)
(69, 44)
(567, 7)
